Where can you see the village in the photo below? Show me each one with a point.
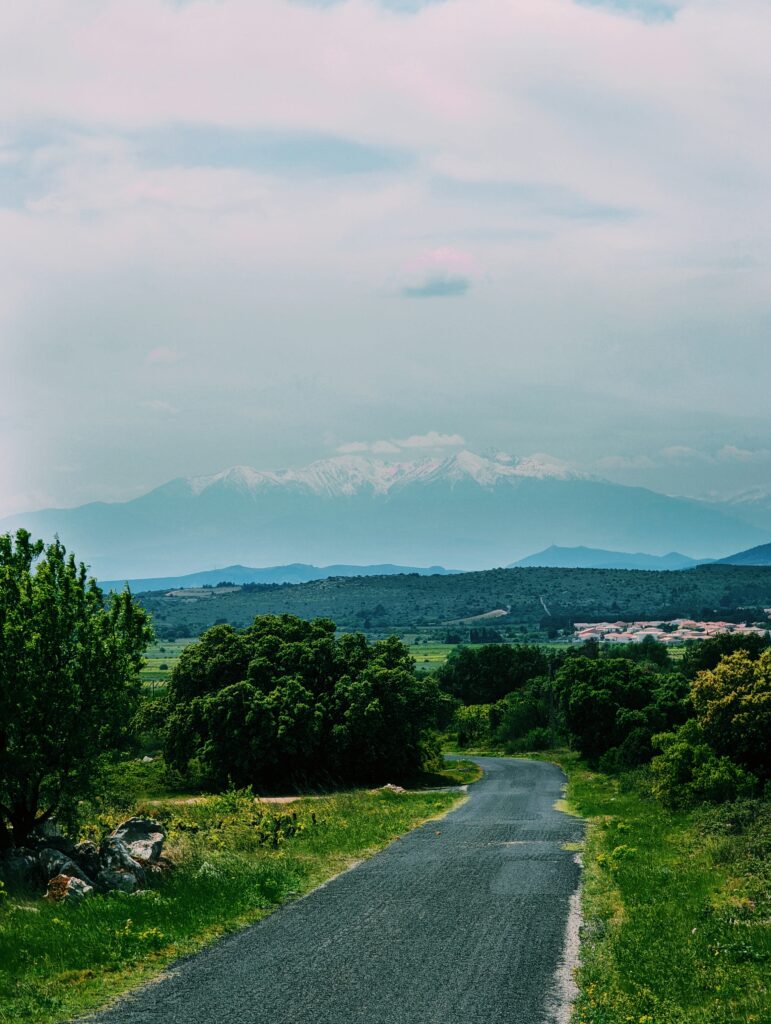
(673, 631)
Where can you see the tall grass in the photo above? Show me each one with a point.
(676, 908)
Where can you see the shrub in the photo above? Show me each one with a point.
(688, 771)
(733, 708)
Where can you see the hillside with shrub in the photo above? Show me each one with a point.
(543, 599)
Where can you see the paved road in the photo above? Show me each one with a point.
(463, 921)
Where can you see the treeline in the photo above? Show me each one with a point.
(703, 724)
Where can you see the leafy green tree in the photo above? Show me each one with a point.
(285, 700)
(68, 680)
(706, 654)
(613, 704)
(733, 709)
(484, 675)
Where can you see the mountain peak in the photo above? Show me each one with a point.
(345, 475)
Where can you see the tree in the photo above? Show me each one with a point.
(486, 675)
(733, 709)
(285, 700)
(613, 704)
(706, 655)
(69, 685)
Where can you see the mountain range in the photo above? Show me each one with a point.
(296, 573)
(465, 510)
(595, 558)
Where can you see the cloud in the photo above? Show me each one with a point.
(730, 453)
(645, 10)
(375, 447)
(683, 453)
(438, 286)
(441, 272)
(301, 154)
(163, 355)
(431, 440)
(159, 406)
(542, 199)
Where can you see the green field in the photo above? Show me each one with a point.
(160, 660)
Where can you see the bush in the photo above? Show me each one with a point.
(733, 708)
(472, 725)
(688, 771)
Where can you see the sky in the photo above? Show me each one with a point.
(266, 233)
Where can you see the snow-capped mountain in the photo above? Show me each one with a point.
(345, 475)
(465, 511)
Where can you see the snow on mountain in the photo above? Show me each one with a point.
(344, 475)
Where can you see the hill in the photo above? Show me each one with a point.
(595, 558)
(464, 510)
(533, 598)
(760, 555)
(240, 574)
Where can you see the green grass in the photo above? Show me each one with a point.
(676, 908)
(58, 961)
(160, 661)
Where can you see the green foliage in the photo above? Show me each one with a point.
(68, 680)
(483, 675)
(472, 725)
(688, 771)
(706, 655)
(733, 708)
(612, 704)
(676, 932)
(284, 700)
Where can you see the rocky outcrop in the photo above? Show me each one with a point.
(54, 862)
(143, 837)
(68, 889)
(121, 862)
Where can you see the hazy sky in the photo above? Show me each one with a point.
(262, 231)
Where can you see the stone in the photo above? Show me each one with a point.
(19, 867)
(86, 855)
(143, 838)
(114, 855)
(391, 788)
(53, 862)
(115, 878)
(68, 889)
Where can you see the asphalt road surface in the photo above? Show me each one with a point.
(462, 921)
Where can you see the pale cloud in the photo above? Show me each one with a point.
(438, 273)
(431, 440)
(730, 453)
(683, 453)
(159, 406)
(163, 355)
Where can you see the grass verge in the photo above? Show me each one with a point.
(676, 907)
(236, 861)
